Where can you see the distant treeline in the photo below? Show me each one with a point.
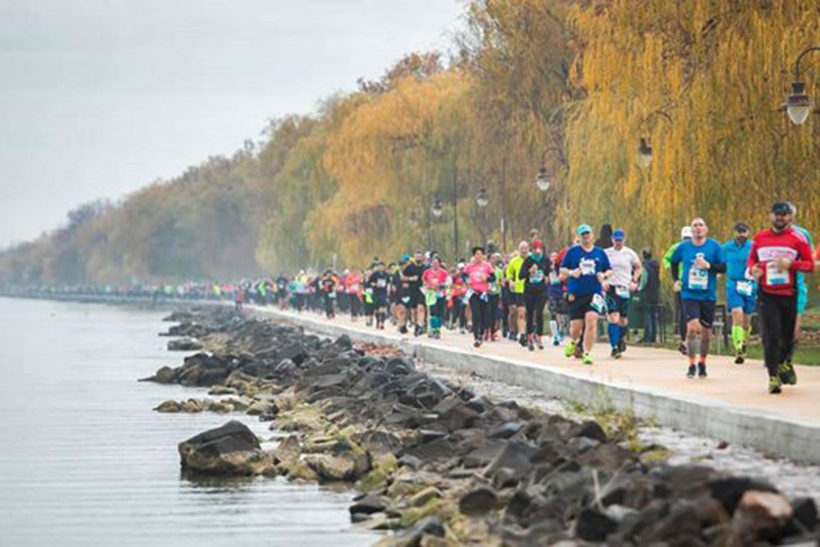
(579, 80)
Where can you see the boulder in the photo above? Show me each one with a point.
(229, 449)
(184, 344)
(760, 516)
(368, 504)
(478, 502)
(592, 525)
(168, 407)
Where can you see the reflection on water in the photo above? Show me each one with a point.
(85, 461)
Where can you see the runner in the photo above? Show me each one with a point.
(458, 294)
(535, 272)
(353, 286)
(435, 285)
(282, 291)
(379, 282)
(776, 255)
(327, 286)
(557, 302)
(367, 296)
(518, 319)
(740, 289)
(494, 301)
(702, 259)
(479, 273)
(411, 296)
(507, 325)
(626, 272)
(802, 287)
(685, 235)
(587, 269)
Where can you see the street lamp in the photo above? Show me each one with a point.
(542, 179)
(437, 209)
(644, 154)
(798, 104)
(481, 198)
(644, 157)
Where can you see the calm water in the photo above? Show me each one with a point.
(85, 461)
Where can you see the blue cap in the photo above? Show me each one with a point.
(618, 234)
(583, 229)
(405, 257)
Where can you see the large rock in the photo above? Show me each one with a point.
(184, 344)
(478, 502)
(229, 449)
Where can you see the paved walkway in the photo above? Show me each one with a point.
(658, 370)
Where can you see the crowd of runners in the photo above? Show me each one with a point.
(506, 297)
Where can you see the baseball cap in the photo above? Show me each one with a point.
(685, 232)
(537, 244)
(618, 234)
(781, 207)
(583, 229)
(405, 257)
(741, 227)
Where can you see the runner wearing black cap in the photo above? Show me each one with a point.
(776, 256)
(741, 289)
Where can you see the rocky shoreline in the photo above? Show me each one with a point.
(438, 465)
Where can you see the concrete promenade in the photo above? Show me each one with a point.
(731, 405)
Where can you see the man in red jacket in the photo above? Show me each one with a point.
(776, 255)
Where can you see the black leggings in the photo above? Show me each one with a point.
(481, 315)
(457, 312)
(778, 315)
(355, 305)
(492, 307)
(534, 303)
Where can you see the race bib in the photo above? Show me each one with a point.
(554, 279)
(698, 279)
(775, 276)
(537, 276)
(381, 283)
(744, 288)
(430, 298)
(368, 292)
(622, 292)
(587, 266)
(598, 303)
(331, 295)
(405, 299)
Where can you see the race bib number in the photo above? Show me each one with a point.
(430, 298)
(368, 292)
(775, 276)
(598, 303)
(698, 279)
(554, 279)
(331, 295)
(744, 288)
(405, 299)
(622, 292)
(537, 276)
(381, 283)
(587, 266)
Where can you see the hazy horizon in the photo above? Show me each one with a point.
(99, 99)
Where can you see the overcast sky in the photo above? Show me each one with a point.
(100, 97)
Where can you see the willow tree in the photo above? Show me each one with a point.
(717, 72)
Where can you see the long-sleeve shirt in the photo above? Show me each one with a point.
(769, 246)
(535, 282)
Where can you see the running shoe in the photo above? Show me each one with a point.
(530, 345)
(403, 330)
(682, 348)
(477, 344)
(774, 385)
(740, 358)
(556, 341)
(616, 353)
(579, 351)
(692, 371)
(569, 349)
(587, 359)
(787, 374)
(539, 343)
(702, 370)
(523, 340)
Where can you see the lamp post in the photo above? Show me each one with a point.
(798, 103)
(644, 157)
(482, 199)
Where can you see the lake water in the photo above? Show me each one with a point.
(85, 461)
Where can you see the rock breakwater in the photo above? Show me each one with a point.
(438, 465)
